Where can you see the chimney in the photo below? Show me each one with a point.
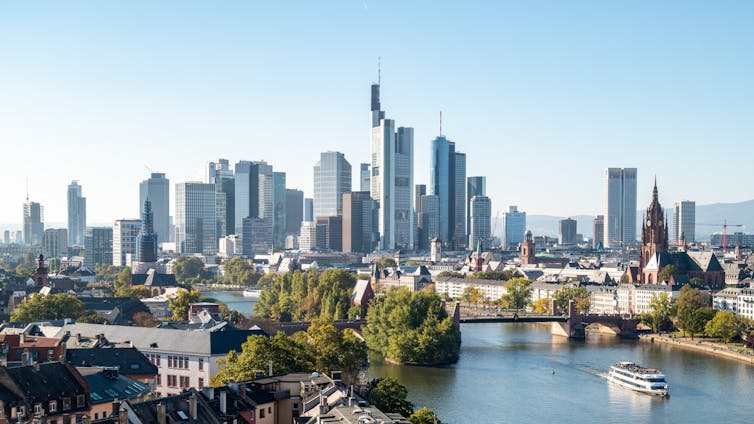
(115, 407)
(86, 419)
(161, 414)
(192, 405)
(122, 416)
(25, 358)
(223, 402)
(269, 368)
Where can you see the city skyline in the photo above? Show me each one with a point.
(514, 76)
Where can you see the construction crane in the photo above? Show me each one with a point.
(494, 228)
(725, 226)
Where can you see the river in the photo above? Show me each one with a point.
(234, 299)
(505, 375)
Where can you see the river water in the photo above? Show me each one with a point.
(505, 375)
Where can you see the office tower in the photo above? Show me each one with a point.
(567, 231)
(365, 177)
(76, 215)
(19, 237)
(98, 246)
(599, 232)
(146, 242)
(419, 191)
(307, 239)
(125, 232)
(254, 187)
(6, 237)
(359, 226)
(220, 174)
(514, 223)
(195, 219)
(34, 226)
(332, 178)
(429, 220)
(392, 169)
(330, 233)
(460, 235)
(280, 210)
(294, 211)
(256, 236)
(620, 207)
(684, 221)
(481, 222)
(308, 209)
(156, 189)
(55, 242)
(475, 186)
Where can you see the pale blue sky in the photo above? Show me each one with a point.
(541, 95)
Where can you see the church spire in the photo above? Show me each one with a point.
(654, 191)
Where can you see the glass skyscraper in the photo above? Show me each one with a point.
(620, 206)
(332, 178)
(156, 189)
(76, 215)
(195, 219)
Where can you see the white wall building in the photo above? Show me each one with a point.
(125, 232)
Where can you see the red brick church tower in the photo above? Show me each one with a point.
(654, 233)
(40, 275)
(527, 249)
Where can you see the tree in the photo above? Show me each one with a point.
(335, 350)
(471, 294)
(749, 341)
(689, 302)
(388, 395)
(240, 272)
(123, 279)
(188, 267)
(543, 306)
(518, 292)
(179, 305)
(387, 262)
(724, 325)
(139, 292)
(493, 275)
(257, 352)
(451, 274)
(90, 317)
(412, 327)
(424, 416)
(54, 306)
(666, 272)
(144, 319)
(579, 295)
(661, 309)
(25, 270)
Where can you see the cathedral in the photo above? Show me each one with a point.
(655, 256)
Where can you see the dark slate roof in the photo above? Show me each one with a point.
(45, 381)
(154, 279)
(106, 386)
(706, 261)
(128, 360)
(117, 310)
(177, 407)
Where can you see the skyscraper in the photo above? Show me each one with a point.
(359, 226)
(481, 222)
(156, 189)
(34, 226)
(332, 178)
(195, 219)
(98, 246)
(460, 235)
(254, 191)
(514, 223)
(475, 186)
(567, 231)
(620, 206)
(76, 215)
(599, 232)
(256, 236)
(429, 220)
(55, 242)
(294, 212)
(280, 209)
(220, 174)
(125, 232)
(365, 177)
(146, 242)
(392, 184)
(448, 181)
(308, 209)
(684, 221)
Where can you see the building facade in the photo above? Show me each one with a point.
(55, 242)
(359, 222)
(567, 231)
(294, 212)
(125, 232)
(684, 221)
(76, 214)
(447, 181)
(365, 177)
(332, 178)
(34, 226)
(481, 221)
(156, 189)
(280, 211)
(620, 207)
(598, 231)
(475, 186)
(514, 227)
(195, 218)
(98, 246)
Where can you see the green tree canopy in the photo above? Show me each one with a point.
(140, 292)
(518, 292)
(471, 294)
(666, 272)
(188, 267)
(493, 275)
(579, 295)
(423, 416)
(239, 272)
(412, 327)
(91, 317)
(690, 302)
(123, 279)
(388, 395)
(54, 306)
(451, 274)
(387, 262)
(179, 305)
(661, 309)
(333, 349)
(724, 325)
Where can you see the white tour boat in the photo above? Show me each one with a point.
(253, 293)
(639, 378)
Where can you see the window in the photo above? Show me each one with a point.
(201, 364)
(53, 406)
(158, 380)
(170, 362)
(38, 408)
(185, 382)
(80, 401)
(261, 413)
(172, 381)
(66, 404)
(50, 353)
(269, 410)
(201, 383)
(22, 410)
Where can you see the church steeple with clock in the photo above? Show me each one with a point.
(654, 233)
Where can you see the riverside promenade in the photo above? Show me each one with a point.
(700, 345)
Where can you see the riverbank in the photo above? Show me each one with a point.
(716, 349)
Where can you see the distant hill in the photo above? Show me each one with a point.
(715, 213)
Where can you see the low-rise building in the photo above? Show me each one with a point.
(645, 293)
(106, 387)
(603, 300)
(727, 299)
(454, 287)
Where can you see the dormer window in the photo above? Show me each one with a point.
(80, 401)
(53, 406)
(66, 404)
(38, 409)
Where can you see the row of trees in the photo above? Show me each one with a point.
(306, 296)
(412, 327)
(53, 307)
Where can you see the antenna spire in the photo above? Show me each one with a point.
(440, 123)
(27, 189)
